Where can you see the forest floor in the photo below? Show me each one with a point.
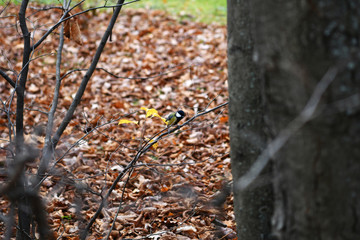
(175, 190)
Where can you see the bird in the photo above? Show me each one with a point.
(175, 117)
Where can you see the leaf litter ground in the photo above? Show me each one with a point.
(155, 62)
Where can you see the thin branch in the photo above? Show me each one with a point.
(47, 150)
(36, 110)
(120, 204)
(20, 89)
(350, 104)
(121, 77)
(145, 78)
(173, 164)
(10, 125)
(41, 56)
(6, 5)
(7, 78)
(46, 8)
(10, 66)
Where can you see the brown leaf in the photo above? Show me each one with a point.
(72, 29)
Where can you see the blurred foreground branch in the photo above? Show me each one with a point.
(310, 111)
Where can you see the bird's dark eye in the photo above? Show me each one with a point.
(87, 130)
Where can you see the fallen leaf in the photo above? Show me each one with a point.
(126, 121)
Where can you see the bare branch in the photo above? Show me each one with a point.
(6, 5)
(20, 89)
(120, 205)
(47, 150)
(149, 77)
(140, 78)
(7, 78)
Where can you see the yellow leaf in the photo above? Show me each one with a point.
(126, 121)
(164, 120)
(155, 145)
(152, 113)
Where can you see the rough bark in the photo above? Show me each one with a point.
(317, 172)
(252, 207)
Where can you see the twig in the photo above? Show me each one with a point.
(120, 205)
(36, 110)
(6, 5)
(10, 125)
(149, 77)
(135, 78)
(47, 149)
(7, 78)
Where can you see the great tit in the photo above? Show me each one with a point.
(174, 118)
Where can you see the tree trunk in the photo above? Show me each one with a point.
(24, 211)
(317, 172)
(252, 207)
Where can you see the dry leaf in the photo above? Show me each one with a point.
(125, 121)
(72, 29)
(224, 119)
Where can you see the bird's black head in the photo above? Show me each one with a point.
(180, 114)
